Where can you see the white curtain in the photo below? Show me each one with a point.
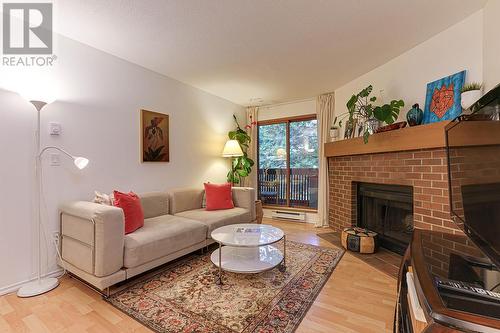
(251, 128)
(325, 108)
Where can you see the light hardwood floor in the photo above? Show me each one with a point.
(356, 298)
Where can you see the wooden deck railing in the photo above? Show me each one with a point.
(303, 187)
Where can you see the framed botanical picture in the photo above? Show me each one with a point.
(154, 137)
(443, 98)
(350, 128)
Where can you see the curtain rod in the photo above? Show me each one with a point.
(269, 106)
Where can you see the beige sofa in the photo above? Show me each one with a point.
(94, 247)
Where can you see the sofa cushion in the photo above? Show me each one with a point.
(218, 196)
(185, 199)
(154, 204)
(132, 209)
(161, 236)
(214, 219)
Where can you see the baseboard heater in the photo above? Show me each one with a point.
(288, 215)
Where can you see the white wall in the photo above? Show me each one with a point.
(284, 110)
(491, 56)
(98, 106)
(406, 76)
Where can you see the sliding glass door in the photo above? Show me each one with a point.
(288, 162)
(273, 164)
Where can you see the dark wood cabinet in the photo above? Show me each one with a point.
(423, 307)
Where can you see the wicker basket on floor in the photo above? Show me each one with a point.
(359, 240)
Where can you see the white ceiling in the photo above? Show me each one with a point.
(249, 49)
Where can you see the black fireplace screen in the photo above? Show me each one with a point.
(387, 210)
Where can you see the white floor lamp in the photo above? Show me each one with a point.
(43, 285)
(232, 149)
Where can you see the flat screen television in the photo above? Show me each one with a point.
(473, 144)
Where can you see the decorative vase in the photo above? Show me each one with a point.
(334, 134)
(469, 97)
(372, 124)
(415, 116)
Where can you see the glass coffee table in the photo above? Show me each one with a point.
(247, 248)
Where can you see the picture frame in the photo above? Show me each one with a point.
(443, 98)
(154, 137)
(350, 128)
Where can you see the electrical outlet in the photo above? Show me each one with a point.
(56, 237)
(55, 159)
(54, 128)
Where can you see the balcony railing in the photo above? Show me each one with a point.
(302, 189)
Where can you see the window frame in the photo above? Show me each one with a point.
(287, 121)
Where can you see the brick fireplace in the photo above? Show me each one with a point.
(414, 157)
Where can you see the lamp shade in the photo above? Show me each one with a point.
(232, 149)
(36, 85)
(81, 162)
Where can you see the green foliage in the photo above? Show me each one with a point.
(272, 138)
(242, 165)
(154, 155)
(388, 113)
(303, 145)
(360, 107)
(471, 86)
(366, 135)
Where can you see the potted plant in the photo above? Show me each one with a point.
(370, 117)
(471, 92)
(242, 166)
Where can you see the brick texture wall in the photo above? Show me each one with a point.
(425, 170)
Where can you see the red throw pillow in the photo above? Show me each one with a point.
(132, 209)
(218, 196)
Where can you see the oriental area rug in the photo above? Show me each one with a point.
(183, 297)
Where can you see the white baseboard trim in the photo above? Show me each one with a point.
(311, 218)
(13, 287)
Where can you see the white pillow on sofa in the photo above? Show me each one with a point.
(103, 198)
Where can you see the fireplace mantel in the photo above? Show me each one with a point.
(428, 136)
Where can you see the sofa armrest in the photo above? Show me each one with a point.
(183, 199)
(244, 197)
(93, 237)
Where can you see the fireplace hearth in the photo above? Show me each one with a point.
(387, 210)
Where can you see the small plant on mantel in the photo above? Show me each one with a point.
(471, 86)
(471, 92)
(360, 107)
(242, 166)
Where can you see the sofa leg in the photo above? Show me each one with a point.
(106, 293)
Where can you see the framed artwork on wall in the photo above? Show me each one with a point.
(154, 137)
(442, 101)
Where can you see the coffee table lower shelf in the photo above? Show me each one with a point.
(247, 259)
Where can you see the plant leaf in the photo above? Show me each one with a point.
(242, 173)
(388, 113)
(351, 103)
(365, 92)
(366, 135)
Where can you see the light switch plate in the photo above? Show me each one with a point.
(55, 159)
(54, 128)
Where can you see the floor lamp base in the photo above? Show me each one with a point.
(37, 287)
